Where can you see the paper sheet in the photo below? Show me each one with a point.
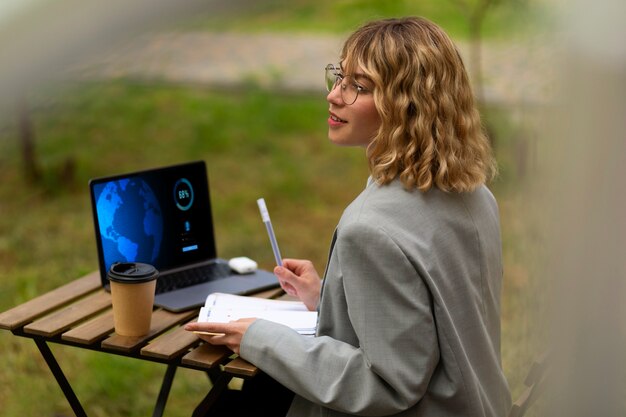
(222, 308)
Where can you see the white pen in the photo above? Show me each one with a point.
(270, 230)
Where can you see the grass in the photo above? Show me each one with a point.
(255, 144)
(341, 16)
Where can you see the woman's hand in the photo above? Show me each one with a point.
(299, 278)
(226, 334)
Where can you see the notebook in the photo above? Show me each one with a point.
(163, 217)
(222, 308)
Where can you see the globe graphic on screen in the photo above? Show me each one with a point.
(131, 222)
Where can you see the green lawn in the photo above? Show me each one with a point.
(256, 144)
(340, 16)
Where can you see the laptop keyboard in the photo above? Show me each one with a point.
(192, 276)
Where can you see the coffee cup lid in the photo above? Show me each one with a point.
(132, 272)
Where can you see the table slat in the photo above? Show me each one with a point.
(62, 320)
(171, 345)
(241, 368)
(30, 310)
(91, 331)
(161, 321)
(206, 356)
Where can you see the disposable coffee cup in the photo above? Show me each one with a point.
(132, 292)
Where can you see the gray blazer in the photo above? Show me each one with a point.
(409, 316)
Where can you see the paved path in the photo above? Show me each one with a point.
(514, 73)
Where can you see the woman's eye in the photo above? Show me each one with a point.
(357, 87)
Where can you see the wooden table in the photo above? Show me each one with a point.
(79, 314)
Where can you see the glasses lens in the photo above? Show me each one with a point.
(331, 77)
(349, 90)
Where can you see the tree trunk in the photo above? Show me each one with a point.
(476, 63)
(27, 143)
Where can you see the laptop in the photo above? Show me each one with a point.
(162, 217)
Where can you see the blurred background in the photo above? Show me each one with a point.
(89, 90)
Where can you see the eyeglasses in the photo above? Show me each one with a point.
(350, 89)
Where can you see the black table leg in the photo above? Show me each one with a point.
(219, 384)
(60, 377)
(165, 391)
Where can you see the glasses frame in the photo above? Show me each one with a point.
(334, 77)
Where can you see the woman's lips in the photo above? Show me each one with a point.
(334, 120)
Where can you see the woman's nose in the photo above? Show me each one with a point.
(334, 96)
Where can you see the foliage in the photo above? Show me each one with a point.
(340, 16)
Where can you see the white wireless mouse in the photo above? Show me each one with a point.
(242, 265)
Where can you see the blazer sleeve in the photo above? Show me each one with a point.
(390, 310)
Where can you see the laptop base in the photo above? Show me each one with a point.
(195, 296)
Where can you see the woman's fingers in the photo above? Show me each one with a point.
(227, 334)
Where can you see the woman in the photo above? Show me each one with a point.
(409, 308)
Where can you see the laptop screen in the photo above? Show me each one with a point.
(160, 216)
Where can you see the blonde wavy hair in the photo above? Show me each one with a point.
(431, 133)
